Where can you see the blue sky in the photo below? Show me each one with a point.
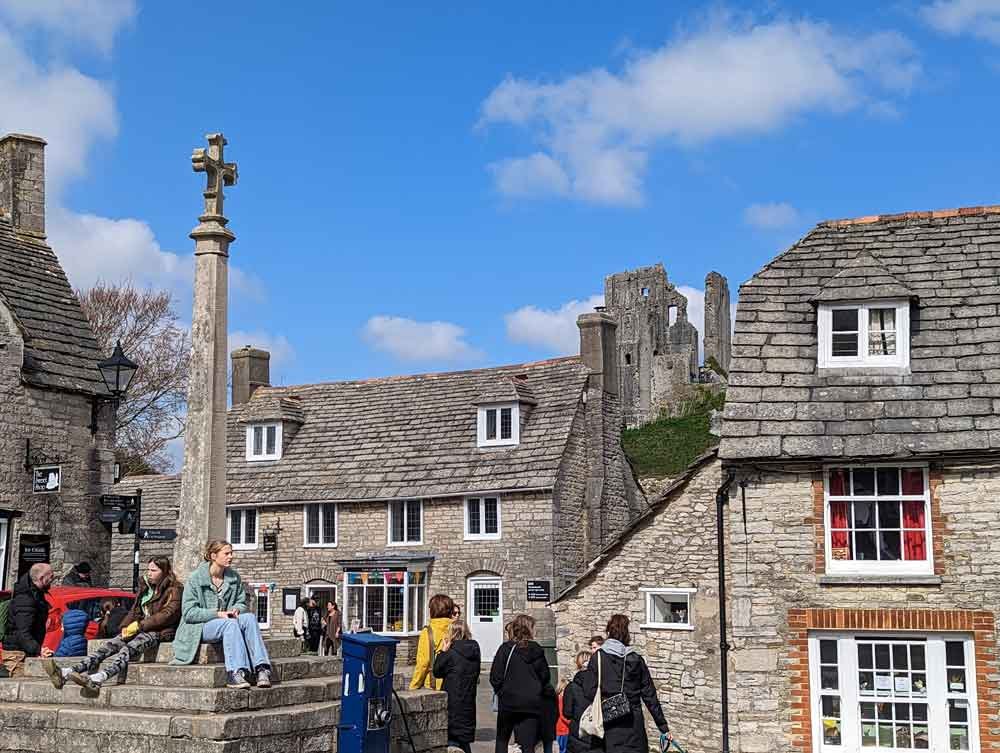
(426, 188)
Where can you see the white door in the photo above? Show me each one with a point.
(485, 608)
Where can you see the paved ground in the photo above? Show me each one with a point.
(486, 731)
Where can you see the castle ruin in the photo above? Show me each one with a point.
(658, 357)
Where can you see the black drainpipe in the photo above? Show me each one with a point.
(721, 498)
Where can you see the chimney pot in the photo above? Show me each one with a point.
(22, 183)
(251, 369)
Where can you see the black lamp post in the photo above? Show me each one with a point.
(117, 373)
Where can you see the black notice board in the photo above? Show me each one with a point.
(290, 600)
(539, 590)
(157, 534)
(32, 550)
(270, 542)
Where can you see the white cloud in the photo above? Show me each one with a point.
(554, 330)
(410, 340)
(94, 21)
(281, 350)
(980, 18)
(725, 79)
(771, 216)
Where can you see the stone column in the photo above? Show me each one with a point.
(202, 508)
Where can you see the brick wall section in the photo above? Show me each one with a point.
(57, 423)
(782, 577)
(673, 548)
(939, 522)
(980, 624)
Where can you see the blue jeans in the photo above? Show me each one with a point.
(563, 741)
(242, 644)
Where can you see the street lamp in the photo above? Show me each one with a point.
(117, 373)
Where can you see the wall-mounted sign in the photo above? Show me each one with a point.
(539, 590)
(157, 534)
(270, 542)
(290, 600)
(46, 478)
(33, 548)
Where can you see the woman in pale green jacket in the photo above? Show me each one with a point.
(214, 610)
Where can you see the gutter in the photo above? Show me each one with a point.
(721, 498)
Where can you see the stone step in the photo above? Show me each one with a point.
(204, 675)
(306, 727)
(211, 653)
(192, 700)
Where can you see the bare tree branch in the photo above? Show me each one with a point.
(152, 412)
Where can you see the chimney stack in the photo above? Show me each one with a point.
(251, 369)
(22, 183)
(598, 349)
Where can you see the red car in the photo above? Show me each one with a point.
(87, 598)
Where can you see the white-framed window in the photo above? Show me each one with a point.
(482, 518)
(4, 524)
(262, 604)
(319, 523)
(669, 608)
(498, 425)
(406, 522)
(875, 333)
(878, 520)
(887, 691)
(243, 527)
(387, 601)
(264, 441)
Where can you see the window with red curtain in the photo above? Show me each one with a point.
(839, 533)
(915, 532)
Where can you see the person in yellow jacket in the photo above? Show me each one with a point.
(441, 608)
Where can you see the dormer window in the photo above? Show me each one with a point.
(263, 441)
(498, 425)
(875, 334)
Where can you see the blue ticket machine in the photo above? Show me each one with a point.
(366, 696)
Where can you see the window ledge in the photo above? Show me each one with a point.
(665, 626)
(880, 580)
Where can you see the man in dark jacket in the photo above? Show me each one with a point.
(29, 612)
(79, 575)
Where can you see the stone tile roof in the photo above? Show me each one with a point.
(59, 346)
(863, 278)
(273, 407)
(160, 496)
(408, 437)
(779, 406)
(506, 389)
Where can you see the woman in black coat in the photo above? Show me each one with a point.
(627, 734)
(520, 678)
(574, 704)
(458, 664)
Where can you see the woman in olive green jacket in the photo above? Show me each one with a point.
(214, 610)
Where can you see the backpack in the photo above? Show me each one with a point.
(4, 617)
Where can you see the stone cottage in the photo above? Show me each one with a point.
(55, 426)
(496, 486)
(862, 412)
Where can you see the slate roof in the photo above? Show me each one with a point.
(780, 406)
(408, 437)
(59, 346)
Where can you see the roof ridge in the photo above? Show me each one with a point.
(933, 214)
(425, 375)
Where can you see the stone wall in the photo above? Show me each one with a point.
(675, 547)
(780, 580)
(718, 320)
(57, 425)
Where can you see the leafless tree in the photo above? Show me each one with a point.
(152, 412)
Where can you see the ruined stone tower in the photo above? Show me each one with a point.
(657, 345)
(718, 323)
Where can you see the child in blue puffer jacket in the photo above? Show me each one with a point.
(74, 642)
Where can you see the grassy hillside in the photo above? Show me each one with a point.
(667, 446)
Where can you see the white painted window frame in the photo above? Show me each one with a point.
(483, 536)
(825, 356)
(878, 567)
(242, 546)
(322, 520)
(406, 513)
(256, 590)
(937, 696)
(4, 531)
(515, 425)
(251, 457)
(649, 593)
(407, 588)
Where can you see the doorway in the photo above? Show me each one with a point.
(485, 608)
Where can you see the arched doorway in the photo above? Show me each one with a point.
(484, 606)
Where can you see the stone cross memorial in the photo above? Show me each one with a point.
(202, 513)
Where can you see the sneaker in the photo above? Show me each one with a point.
(55, 673)
(263, 677)
(237, 679)
(84, 681)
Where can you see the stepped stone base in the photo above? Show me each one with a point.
(164, 709)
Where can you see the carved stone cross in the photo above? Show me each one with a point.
(219, 173)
